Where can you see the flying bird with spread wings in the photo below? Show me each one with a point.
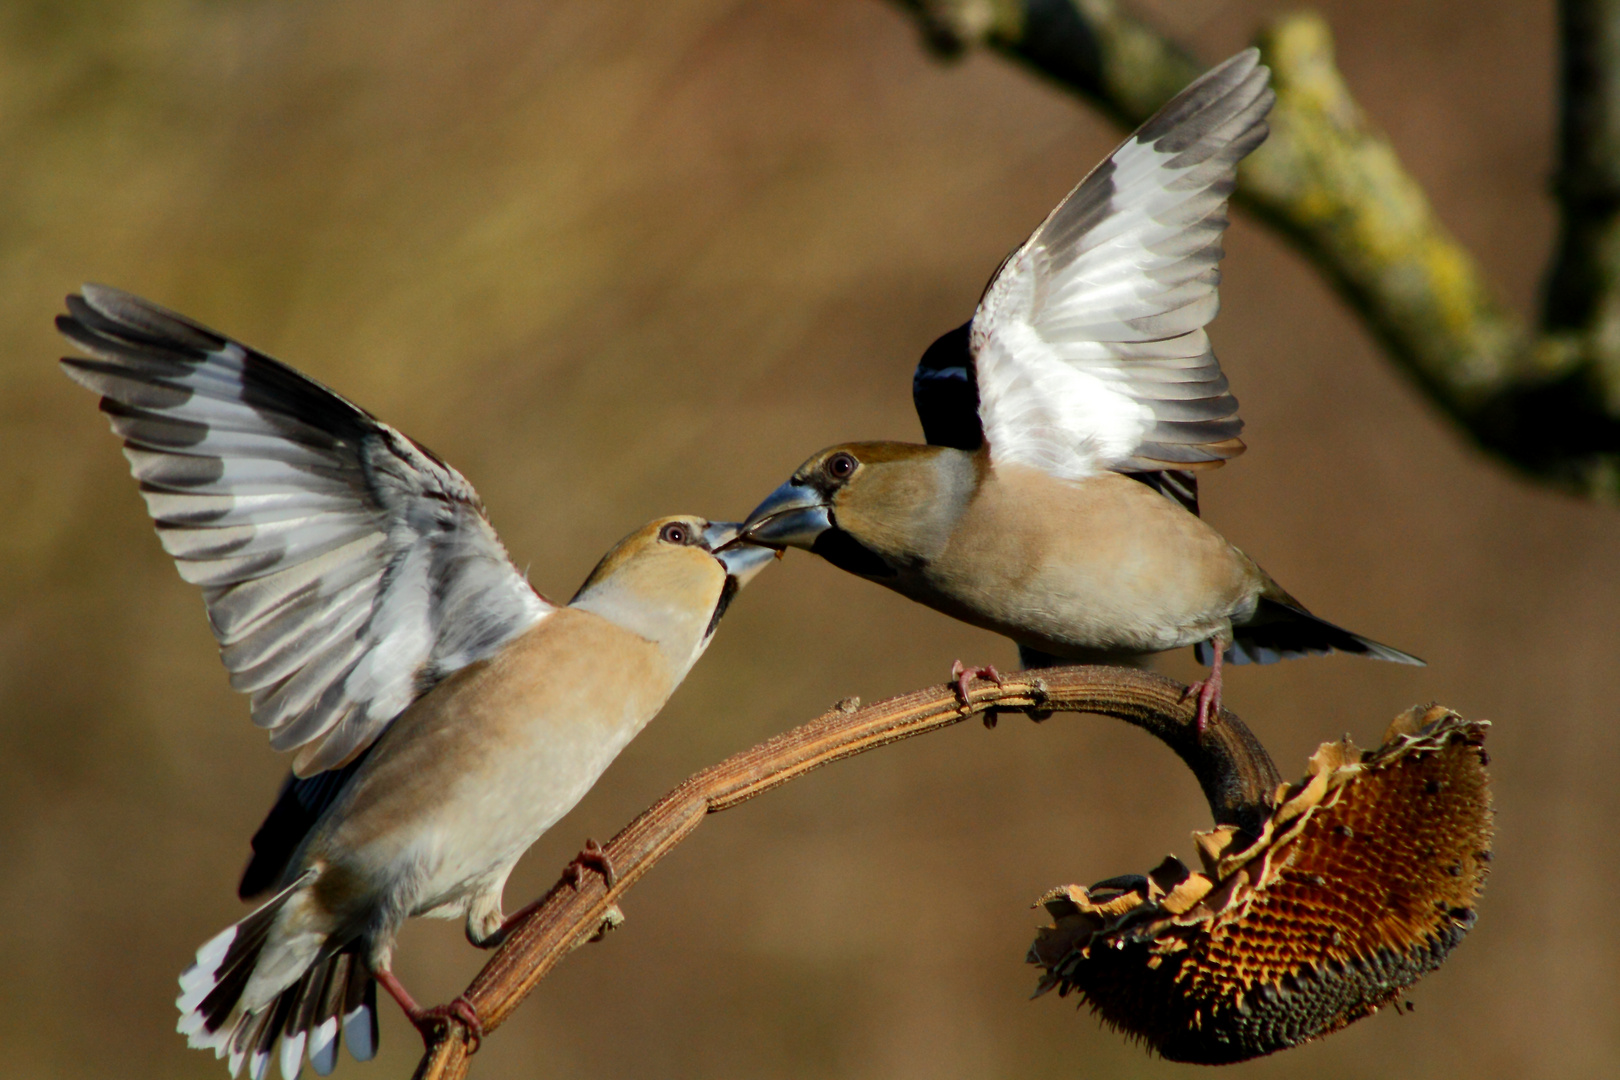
(1056, 501)
(444, 713)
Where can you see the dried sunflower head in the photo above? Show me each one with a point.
(1365, 875)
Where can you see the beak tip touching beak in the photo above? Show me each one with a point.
(721, 533)
(741, 558)
(791, 516)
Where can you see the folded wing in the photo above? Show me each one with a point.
(345, 568)
(1089, 346)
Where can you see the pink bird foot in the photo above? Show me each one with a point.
(591, 857)
(962, 675)
(1208, 691)
(428, 1021)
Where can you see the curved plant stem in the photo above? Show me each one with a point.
(1234, 771)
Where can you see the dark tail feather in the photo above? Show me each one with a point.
(1280, 631)
(1033, 658)
(335, 998)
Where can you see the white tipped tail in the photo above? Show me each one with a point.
(330, 997)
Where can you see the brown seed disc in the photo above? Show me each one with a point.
(1364, 878)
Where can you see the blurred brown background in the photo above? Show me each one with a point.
(620, 260)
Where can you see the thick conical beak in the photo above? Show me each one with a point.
(720, 533)
(741, 558)
(791, 516)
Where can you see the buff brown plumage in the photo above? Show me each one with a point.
(443, 713)
(1057, 500)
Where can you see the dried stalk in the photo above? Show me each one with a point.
(1234, 771)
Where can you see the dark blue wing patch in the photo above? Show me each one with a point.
(946, 393)
(298, 807)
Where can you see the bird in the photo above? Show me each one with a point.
(444, 713)
(1056, 500)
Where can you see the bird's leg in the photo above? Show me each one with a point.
(961, 675)
(428, 1021)
(590, 857)
(1209, 689)
(503, 930)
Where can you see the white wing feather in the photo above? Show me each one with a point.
(1089, 345)
(345, 569)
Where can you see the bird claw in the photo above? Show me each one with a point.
(461, 1010)
(591, 857)
(430, 1022)
(962, 675)
(1209, 690)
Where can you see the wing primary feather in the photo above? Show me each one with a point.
(1089, 350)
(295, 510)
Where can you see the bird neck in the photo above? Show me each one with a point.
(669, 600)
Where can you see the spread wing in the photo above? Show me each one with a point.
(1089, 346)
(345, 568)
(946, 395)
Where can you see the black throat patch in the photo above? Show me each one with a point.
(847, 553)
(728, 592)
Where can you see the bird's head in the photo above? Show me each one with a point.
(671, 580)
(867, 507)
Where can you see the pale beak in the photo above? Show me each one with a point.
(791, 516)
(741, 558)
(720, 533)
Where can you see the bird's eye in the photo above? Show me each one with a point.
(674, 533)
(841, 465)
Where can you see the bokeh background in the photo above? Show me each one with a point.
(617, 260)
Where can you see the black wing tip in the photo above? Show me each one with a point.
(108, 312)
(105, 298)
(1375, 650)
(1241, 71)
(134, 334)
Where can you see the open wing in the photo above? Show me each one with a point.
(345, 568)
(1089, 346)
(946, 395)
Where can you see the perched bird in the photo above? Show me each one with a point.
(1057, 500)
(444, 713)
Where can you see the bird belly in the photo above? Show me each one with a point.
(461, 786)
(499, 814)
(1075, 616)
(1103, 570)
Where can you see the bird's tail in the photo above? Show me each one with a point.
(260, 981)
(1281, 631)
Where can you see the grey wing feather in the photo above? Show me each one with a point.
(1090, 346)
(345, 568)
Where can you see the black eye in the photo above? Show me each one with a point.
(675, 533)
(841, 465)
